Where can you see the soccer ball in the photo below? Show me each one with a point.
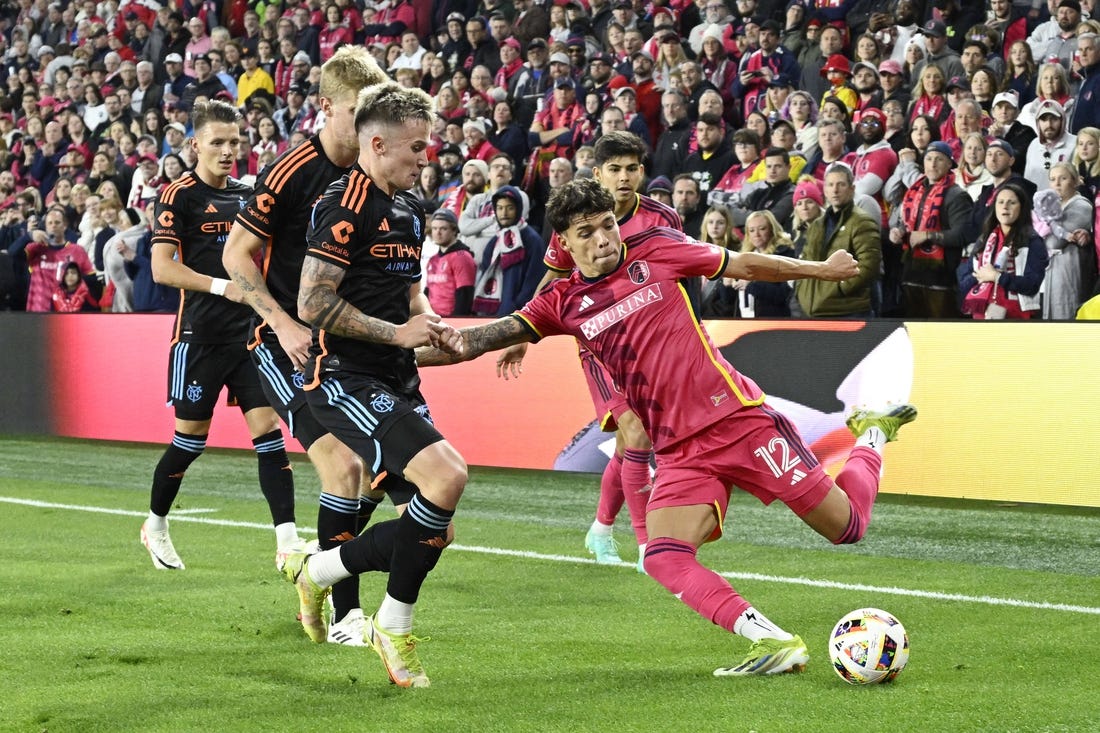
(868, 646)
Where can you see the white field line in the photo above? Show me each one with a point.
(887, 590)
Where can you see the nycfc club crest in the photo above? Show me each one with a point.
(422, 410)
(638, 272)
(416, 227)
(299, 380)
(382, 403)
(194, 392)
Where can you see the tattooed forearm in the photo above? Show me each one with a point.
(255, 291)
(492, 336)
(320, 306)
(427, 356)
(476, 341)
(332, 308)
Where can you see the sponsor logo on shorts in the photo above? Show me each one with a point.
(629, 305)
(382, 403)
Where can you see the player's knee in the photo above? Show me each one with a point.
(450, 482)
(851, 536)
(349, 479)
(854, 531)
(667, 561)
(634, 436)
(261, 421)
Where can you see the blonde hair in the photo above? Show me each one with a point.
(729, 239)
(1068, 168)
(918, 88)
(349, 70)
(1093, 168)
(392, 104)
(1060, 77)
(778, 239)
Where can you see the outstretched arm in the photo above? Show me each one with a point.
(776, 268)
(319, 305)
(476, 340)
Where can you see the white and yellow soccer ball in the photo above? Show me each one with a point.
(868, 646)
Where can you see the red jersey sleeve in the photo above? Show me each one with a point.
(556, 257)
(542, 314)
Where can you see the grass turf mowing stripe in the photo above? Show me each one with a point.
(960, 598)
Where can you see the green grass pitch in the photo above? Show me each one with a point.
(1002, 605)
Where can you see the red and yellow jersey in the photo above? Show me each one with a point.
(638, 322)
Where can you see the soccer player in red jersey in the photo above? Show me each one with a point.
(620, 170)
(192, 218)
(711, 426)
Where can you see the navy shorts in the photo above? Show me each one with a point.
(197, 373)
(384, 428)
(282, 384)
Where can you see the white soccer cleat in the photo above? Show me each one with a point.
(160, 548)
(351, 629)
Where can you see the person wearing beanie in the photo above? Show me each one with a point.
(449, 273)
(475, 174)
(660, 188)
(874, 160)
(509, 270)
(844, 226)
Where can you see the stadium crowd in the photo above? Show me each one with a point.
(885, 127)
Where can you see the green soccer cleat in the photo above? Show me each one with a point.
(604, 547)
(311, 597)
(398, 653)
(299, 545)
(889, 421)
(770, 656)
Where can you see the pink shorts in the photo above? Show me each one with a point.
(758, 450)
(609, 402)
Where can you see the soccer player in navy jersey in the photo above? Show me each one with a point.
(360, 289)
(272, 225)
(620, 169)
(192, 218)
(711, 426)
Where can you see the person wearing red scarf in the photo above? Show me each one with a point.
(932, 233)
(1002, 279)
(510, 63)
(551, 134)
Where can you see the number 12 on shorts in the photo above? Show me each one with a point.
(778, 448)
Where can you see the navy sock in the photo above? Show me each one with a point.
(336, 524)
(276, 476)
(168, 474)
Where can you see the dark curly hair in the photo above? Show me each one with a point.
(578, 198)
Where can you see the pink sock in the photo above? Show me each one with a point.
(635, 483)
(611, 491)
(673, 564)
(859, 480)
